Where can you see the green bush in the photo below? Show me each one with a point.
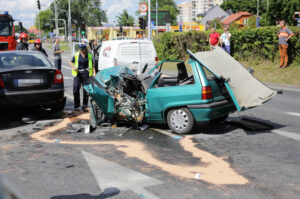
(246, 44)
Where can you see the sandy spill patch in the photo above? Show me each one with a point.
(216, 170)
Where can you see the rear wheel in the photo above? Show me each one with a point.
(96, 115)
(180, 120)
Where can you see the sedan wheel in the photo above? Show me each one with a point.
(180, 120)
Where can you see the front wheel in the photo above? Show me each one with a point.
(180, 120)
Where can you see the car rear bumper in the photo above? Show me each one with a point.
(211, 111)
(32, 98)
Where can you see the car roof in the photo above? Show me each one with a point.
(124, 41)
(19, 51)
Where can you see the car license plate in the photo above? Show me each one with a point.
(28, 82)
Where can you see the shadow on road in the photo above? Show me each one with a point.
(17, 118)
(107, 193)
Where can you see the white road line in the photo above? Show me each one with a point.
(67, 67)
(164, 132)
(121, 177)
(294, 136)
(69, 96)
(66, 77)
(293, 113)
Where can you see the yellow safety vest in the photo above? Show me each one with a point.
(75, 72)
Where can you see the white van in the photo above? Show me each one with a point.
(131, 53)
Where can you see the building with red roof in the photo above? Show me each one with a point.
(241, 18)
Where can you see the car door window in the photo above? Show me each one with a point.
(175, 74)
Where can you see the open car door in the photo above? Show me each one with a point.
(245, 90)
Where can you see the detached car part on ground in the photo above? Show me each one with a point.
(217, 86)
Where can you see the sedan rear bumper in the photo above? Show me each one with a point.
(211, 111)
(32, 98)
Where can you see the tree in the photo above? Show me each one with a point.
(82, 11)
(165, 5)
(45, 22)
(124, 19)
(270, 12)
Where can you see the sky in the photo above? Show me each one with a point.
(26, 10)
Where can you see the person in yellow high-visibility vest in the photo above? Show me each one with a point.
(82, 70)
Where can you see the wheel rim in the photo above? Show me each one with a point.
(179, 120)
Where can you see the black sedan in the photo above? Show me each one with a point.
(28, 79)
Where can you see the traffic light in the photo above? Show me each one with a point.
(38, 4)
(142, 23)
(83, 30)
(121, 29)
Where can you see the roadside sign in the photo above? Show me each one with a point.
(143, 7)
(163, 17)
(143, 13)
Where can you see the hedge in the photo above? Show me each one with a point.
(249, 43)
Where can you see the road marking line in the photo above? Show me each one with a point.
(66, 67)
(164, 132)
(293, 113)
(119, 176)
(69, 96)
(294, 136)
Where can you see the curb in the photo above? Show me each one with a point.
(286, 87)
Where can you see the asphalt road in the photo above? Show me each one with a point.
(224, 160)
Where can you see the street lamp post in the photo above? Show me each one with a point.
(55, 16)
(156, 19)
(149, 19)
(64, 24)
(70, 25)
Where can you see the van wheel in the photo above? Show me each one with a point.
(180, 120)
(96, 115)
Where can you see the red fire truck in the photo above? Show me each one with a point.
(7, 32)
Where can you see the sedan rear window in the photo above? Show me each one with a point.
(20, 59)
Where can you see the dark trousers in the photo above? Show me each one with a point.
(57, 63)
(81, 79)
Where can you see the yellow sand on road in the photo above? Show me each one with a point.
(216, 171)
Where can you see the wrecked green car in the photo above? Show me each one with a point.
(208, 87)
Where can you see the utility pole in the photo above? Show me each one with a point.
(156, 19)
(191, 16)
(39, 8)
(55, 18)
(149, 20)
(70, 26)
(257, 8)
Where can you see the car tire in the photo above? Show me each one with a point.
(180, 120)
(58, 107)
(96, 114)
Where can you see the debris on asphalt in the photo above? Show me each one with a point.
(150, 138)
(69, 166)
(177, 138)
(144, 127)
(251, 124)
(87, 129)
(109, 192)
(56, 140)
(28, 120)
(197, 176)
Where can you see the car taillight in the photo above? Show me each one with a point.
(206, 93)
(58, 77)
(1, 83)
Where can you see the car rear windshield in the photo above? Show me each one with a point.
(21, 59)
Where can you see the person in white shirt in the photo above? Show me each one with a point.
(225, 39)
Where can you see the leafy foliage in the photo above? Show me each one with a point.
(270, 13)
(82, 11)
(246, 44)
(124, 19)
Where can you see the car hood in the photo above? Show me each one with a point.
(245, 90)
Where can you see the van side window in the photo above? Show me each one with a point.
(175, 74)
